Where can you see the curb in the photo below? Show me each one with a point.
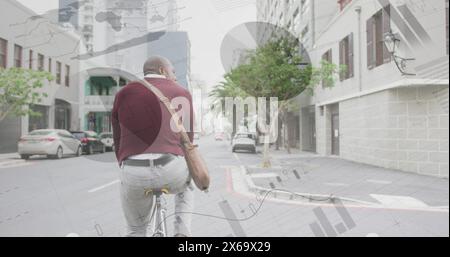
(295, 196)
(9, 162)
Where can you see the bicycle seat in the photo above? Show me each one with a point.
(156, 192)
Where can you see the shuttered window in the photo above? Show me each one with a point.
(346, 57)
(18, 56)
(58, 73)
(30, 59)
(446, 23)
(40, 62)
(377, 27)
(3, 52)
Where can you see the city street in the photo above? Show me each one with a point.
(80, 197)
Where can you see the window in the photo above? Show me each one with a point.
(346, 57)
(40, 62)
(377, 27)
(446, 22)
(58, 73)
(50, 65)
(67, 76)
(30, 60)
(3, 52)
(328, 57)
(18, 56)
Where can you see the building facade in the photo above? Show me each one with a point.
(126, 34)
(389, 106)
(30, 44)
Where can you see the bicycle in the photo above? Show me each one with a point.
(159, 221)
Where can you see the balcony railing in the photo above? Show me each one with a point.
(99, 100)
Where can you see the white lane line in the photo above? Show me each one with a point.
(104, 186)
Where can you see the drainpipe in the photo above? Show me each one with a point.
(313, 23)
(358, 11)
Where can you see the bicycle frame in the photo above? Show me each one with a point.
(159, 221)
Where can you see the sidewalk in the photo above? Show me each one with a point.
(9, 159)
(310, 174)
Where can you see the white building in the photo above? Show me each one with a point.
(37, 43)
(374, 114)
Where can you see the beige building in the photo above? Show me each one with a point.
(33, 42)
(383, 110)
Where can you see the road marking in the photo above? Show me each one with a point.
(264, 175)
(399, 201)
(236, 156)
(241, 185)
(383, 182)
(14, 165)
(104, 186)
(72, 235)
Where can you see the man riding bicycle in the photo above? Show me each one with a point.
(148, 149)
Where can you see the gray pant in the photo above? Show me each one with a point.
(174, 176)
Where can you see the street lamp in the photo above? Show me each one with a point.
(392, 43)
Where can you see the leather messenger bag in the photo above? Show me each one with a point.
(195, 163)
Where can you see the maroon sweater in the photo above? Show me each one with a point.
(141, 123)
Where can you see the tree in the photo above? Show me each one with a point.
(276, 70)
(19, 88)
(226, 88)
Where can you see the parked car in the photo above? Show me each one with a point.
(244, 141)
(90, 141)
(219, 136)
(50, 142)
(107, 140)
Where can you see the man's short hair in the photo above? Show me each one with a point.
(154, 64)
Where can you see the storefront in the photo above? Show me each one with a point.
(62, 114)
(98, 122)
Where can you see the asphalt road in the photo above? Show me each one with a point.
(80, 196)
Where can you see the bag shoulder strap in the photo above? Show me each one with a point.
(174, 116)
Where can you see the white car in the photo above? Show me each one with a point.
(107, 139)
(244, 141)
(53, 143)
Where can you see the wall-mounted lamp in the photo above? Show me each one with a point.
(392, 43)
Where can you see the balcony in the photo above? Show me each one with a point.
(99, 100)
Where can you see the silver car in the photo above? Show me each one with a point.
(107, 139)
(244, 141)
(53, 143)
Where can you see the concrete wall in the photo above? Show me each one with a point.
(404, 129)
(386, 118)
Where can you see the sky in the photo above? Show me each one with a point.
(210, 21)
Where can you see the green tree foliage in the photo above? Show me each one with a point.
(19, 88)
(276, 69)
